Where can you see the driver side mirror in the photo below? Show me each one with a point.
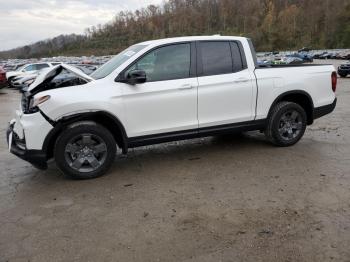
(136, 77)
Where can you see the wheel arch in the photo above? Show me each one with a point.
(109, 121)
(299, 97)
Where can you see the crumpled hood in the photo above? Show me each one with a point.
(51, 72)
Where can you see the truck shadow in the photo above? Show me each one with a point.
(198, 145)
(187, 153)
(193, 149)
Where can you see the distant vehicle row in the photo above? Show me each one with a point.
(332, 55)
(26, 75)
(26, 70)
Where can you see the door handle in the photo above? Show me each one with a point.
(241, 80)
(186, 86)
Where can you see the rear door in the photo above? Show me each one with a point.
(225, 85)
(167, 102)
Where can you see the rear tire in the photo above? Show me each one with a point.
(85, 150)
(342, 75)
(286, 124)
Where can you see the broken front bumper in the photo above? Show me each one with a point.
(17, 147)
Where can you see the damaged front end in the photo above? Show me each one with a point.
(27, 132)
(17, 146)
(56, 77)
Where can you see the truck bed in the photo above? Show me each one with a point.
(311, 79)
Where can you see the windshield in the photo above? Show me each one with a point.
(116, 61)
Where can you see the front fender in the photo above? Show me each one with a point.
(92, 97)
(106, 119)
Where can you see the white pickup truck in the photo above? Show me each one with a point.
(165, 90)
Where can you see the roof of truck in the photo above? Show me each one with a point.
(191, 38)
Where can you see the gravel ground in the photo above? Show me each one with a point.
(225, 198)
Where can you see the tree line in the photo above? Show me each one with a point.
(272, 25)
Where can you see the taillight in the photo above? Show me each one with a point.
(334, 81)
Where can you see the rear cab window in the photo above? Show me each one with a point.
(218, 58)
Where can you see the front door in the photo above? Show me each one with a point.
(167, 102)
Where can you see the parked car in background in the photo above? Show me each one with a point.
(334, 55)
(318, 55)
(9, 68)
(27, 69)
(86, 68)
(343, 55)
(306, 57)
(328, 55)
(346, 55)
(325, 55)
(293, 60)
(344, 70)
(165, 90)
(23, 82)
(3, 80)
(283, 60)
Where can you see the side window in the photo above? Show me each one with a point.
(41, 66)
(236, 57)
(166, 63)
(29, 68)
(216, 58)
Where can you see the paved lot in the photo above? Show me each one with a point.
(228, 198)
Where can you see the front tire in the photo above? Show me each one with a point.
(286, 124)
(342, 75)
(85, 150)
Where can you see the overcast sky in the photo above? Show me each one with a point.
(24, 22)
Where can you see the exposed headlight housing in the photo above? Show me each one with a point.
(39, 100)
(30, 106)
